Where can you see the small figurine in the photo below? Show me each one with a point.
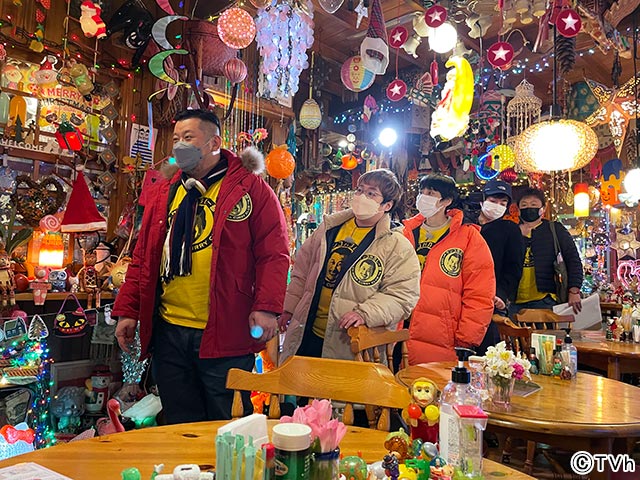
(97, 391)
(566, 373)
(7, 281)
(68, 407)
(40, 285)
(89, 280)
(391, 466)
(398, 443)
(423, 414)
(58, 280)
(557, 368)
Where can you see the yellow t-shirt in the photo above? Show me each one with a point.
(527, 288)
(427, 239)
(348, 238)
(185, 300)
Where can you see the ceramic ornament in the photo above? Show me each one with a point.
(568, 23)
(374, 49)
(396, 90)
(500, 55)
(435, 16)
(398, 37)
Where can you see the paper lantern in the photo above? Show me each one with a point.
(581, 200)
(236, 28)
(69, 137)
(279, 162)
(235, 70)
(310, 114)
(349, 162)
(504, 155)
(51, 251)
(355, 76)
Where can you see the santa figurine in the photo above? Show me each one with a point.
(90, 20)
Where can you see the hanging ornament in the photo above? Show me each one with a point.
(568, 23)
(504, 155)
(235, 70)
(279, 162)
(523, 110)
(37, 329)
(69, 137)
(362, 11)
(425, 83)
(90, 22)
(508, 175)
(396, 90)
(355, 76)
(566, 48)
(369, 108)
(435, 16)
(349, 162)
(374, 49)
(433, 69)
(500, 55)
(236, 28)
(310, 114)
(450, 119)
(486, 167)
(261, 3)
(398, 36)
(331, 6)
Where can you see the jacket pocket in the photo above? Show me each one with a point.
(244, 284)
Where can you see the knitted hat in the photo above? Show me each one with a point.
(82, 214)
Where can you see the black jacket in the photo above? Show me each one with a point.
(544, 256)
(507, 248)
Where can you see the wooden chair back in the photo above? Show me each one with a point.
(341, 380)
(541, 319)
(377, 344)
(517, 338)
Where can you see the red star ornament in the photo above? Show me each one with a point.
(500, 55)
(568, 23)
(398, 36)
(435, 16)
(396, 90)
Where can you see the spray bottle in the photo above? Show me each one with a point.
(457, 392)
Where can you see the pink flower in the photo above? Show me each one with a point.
(317, 415)
(518, 371)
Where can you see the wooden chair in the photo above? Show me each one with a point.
(342, 380)
(377, 344)
(541, 319)
(517, 338)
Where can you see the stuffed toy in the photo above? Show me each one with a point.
(90, 20)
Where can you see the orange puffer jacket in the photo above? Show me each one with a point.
(457, 289)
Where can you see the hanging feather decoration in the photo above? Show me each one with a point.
(566, 48)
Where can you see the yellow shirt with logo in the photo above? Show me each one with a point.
(528, 288)
(348, 238)
(185, 300)
(427, 239)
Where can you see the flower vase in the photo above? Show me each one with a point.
(500, 390)
(326, 465)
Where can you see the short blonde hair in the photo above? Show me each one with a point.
(386, 181)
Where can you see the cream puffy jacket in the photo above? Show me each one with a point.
(385, 303)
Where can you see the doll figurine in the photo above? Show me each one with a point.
(422, 414)
(7, 281)
(89, 279)
(40, 286)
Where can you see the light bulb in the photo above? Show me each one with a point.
(631, 182)
(388, 137)
(443, 38)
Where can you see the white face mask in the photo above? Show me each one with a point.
(364, 207)
(493, 211)
(427, 205)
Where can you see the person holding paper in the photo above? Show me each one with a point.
(537, 287)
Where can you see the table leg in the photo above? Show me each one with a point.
(601, 445)
(613, 368)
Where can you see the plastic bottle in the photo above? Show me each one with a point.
(293, 451)
(533, 360)
(570, 351)
(457, 392)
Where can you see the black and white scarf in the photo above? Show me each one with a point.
(179, 241)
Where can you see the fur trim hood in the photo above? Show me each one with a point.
(252, 159)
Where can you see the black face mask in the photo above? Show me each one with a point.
(530, 214)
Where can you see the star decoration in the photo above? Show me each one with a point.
(396, 90)
(568, 23)
(398, 36)
(500, 54)
(362, 12)
(626, 245)
(617, 108)
(435, 16)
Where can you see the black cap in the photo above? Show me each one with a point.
(497, 187)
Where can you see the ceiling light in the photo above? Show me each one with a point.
(442, 39)
(388, 137)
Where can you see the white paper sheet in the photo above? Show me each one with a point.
(588, 317)
(29, 471)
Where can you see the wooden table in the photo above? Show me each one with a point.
(586, 414)
(105, 457)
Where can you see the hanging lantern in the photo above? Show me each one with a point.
(522, 111)
(581, 200)
(279, 162)
(69, 137)
(504, 155)
(355, 76)
(443, 38)
(236, 28)
(310, 114)
(235, 70)
(508, 175)
(349, 162)
(51, 251)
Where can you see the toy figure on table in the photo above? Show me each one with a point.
(7, 281)
(68, 407)
(423, 413)
(89, 279)
(398, 444)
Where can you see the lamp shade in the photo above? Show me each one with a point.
(51, 251)
(581, 200)
(236, 28)
(556, 145)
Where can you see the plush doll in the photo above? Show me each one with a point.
(90, 20)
